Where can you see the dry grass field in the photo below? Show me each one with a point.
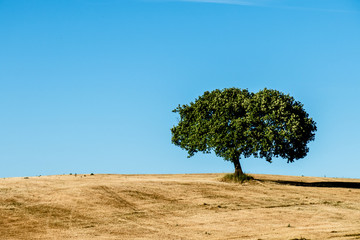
(185, 206)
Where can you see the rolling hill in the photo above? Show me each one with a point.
(181, 206)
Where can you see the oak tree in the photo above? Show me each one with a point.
(235, 123)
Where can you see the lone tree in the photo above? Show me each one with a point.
(236, 123)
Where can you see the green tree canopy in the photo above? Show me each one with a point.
(235, 123)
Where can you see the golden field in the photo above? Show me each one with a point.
(181, 206)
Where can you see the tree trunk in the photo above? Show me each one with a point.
(238, 170)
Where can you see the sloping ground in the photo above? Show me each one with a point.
(189, 206)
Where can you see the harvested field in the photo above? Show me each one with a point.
(182, 206)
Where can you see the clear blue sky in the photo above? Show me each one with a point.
(89, 85)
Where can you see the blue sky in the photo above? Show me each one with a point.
(89, 85)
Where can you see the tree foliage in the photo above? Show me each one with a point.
(235, 123)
